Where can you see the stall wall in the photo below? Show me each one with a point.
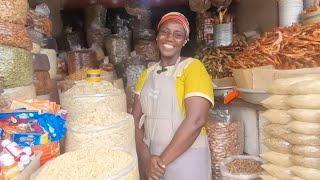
(256, 14)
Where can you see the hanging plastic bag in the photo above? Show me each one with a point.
(137, 7)
(275, 116)
(302, 139)
(306, 162)
(199, 5)
(278, 159)
(276, 102)
(221, 3)
(277, 145)
(305, 115)
(278, 171)
(305, 87)
(306, 173)
(311, 101)
(307, 151)
(304, 127)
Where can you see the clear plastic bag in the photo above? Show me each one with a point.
(14, 11)
(15, 35)
(311, 101)
(40, 23)
(278, 171)
(278, 159)
(24, 92)
(148, 49)
(284, 86)
(42, 82)
(307, 151)
(81, 59)
(143, 34)
(241, 167)
(118, 134)
(306, 173)
(118, 47)
(277, 145)
(276, 130)
(97, 36)
(137, 7)
(199, 5)
(267, 177)
(275, 116)
(306, 162)
(16, 68)
(302, 139)
(305, 115)
(221, 3)
(276, 102)
(95, 16)
(305, 87)
(225, 136)
(304, 127)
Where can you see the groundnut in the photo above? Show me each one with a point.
(15, 35)
(14, 11)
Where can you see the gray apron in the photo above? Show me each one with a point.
(161, 118)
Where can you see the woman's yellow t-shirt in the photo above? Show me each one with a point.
(192, 79)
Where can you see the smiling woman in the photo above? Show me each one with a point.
(172, 102)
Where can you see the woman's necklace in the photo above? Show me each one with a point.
(164, 69)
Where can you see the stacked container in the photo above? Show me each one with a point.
(293, 132)
(16, 71)
(289, 12)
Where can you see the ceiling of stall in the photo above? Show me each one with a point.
(71, 4)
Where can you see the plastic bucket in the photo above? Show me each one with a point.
(222, 35)
(289, 12)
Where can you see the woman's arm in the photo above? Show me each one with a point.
(197, 109)
(317, 2)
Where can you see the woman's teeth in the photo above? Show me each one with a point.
(168, 46)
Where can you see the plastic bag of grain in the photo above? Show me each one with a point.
(277, 145)
(304, 127)
(305, 87)
(276, 130)
(199, 5)
(305, 115)
(307, 151)
(302, 139)
(275, 116)
(282, 86)
(91, 164)
(276, 102)
(267, 177)
(306, 162)
(278, 159)
(311, 101)
(278, 171)
(306, 173)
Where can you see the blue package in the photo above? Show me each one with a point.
(30, 139)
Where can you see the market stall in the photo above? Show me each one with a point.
(68, 72)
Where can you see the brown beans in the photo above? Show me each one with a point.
(15, 35)
(14, 11)
(244, 166)
(225, 139)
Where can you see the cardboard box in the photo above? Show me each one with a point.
(224, 82)
(261, 78)
(258, 78)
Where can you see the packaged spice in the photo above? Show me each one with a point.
(15, 67)
(241, 167)
(305, 127)
(95, 16)
(118, 47)
(143, 34)
(275, 116)
(15, 35)
(80, 59)
(305, 115)
(306, 162)
(199, 5)
(277, 145)
(311, 101)
(14, 11)
(278, 159)
(278, 171)
(225, 137)
(276, 130)
(306, 173)
(147, 49)
(97, 36)
(302, 139)
(40, 23)
(307, 151)
(276, 102)
(42, 82)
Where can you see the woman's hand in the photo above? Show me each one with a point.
(155, 168)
